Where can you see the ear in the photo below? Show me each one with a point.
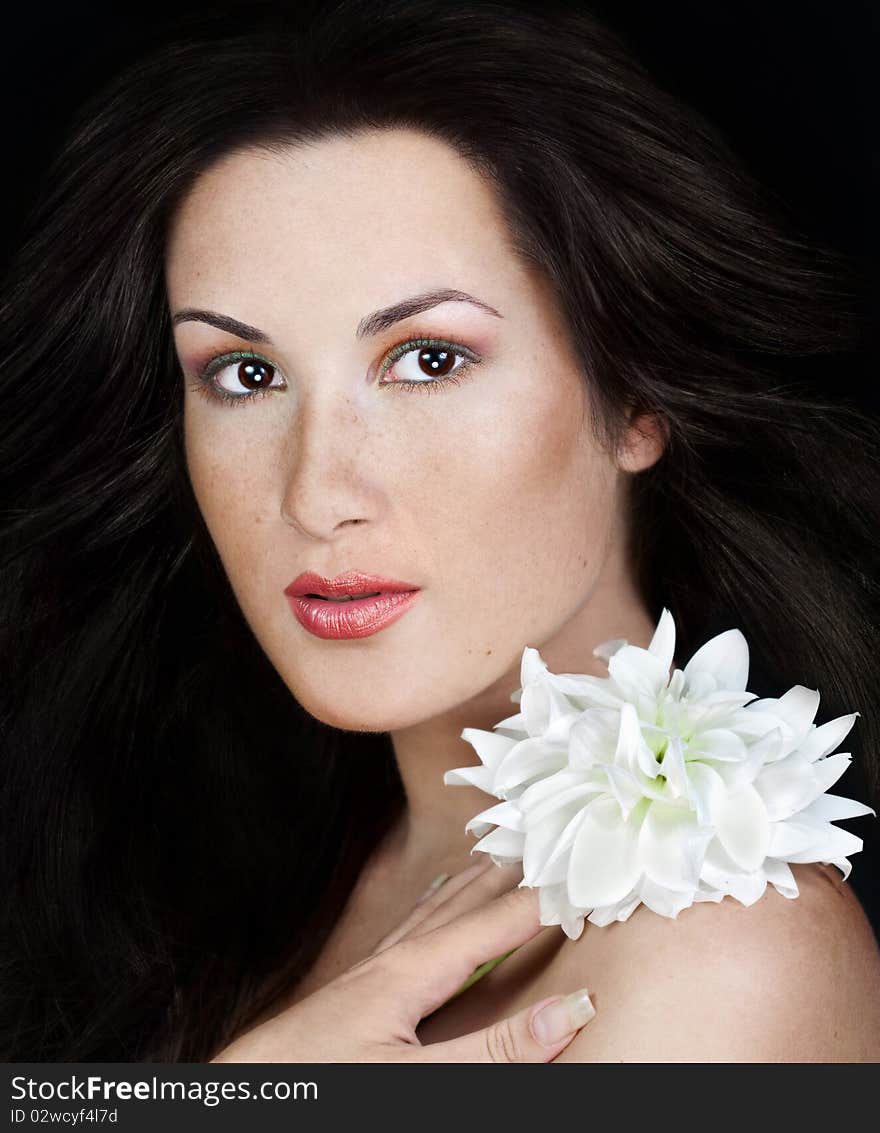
(643, 443)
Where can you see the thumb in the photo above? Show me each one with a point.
(535, 1034)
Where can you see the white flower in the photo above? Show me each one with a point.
(641, 787)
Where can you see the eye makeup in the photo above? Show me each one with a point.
(206, 371)
(205, 384)
(430, 384)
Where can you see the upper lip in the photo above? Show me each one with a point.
(352, 582)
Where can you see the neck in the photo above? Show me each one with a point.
(430, 837)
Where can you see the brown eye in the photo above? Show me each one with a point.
(241, 377)
(255, 374)
(435, 362)
(427, 363)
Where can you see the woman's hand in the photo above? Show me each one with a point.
(370, 1012)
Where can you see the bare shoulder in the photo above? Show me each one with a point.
(783, 980)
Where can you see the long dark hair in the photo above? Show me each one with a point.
(178, 835)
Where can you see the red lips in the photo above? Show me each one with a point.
(353, 582)
(315, 602)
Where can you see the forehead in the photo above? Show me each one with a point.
(342, 212)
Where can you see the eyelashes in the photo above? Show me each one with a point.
(206, 384)
(424, 345)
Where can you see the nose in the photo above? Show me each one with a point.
(330, 470)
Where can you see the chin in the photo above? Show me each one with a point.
(350, 715)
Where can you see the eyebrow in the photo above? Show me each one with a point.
(371, 324)
(388, 316)
(221, 322)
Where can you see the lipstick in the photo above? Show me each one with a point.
(350, 605)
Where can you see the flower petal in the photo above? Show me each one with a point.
(624, 786)
(547, 711)
(707, 791)
(824, 739)
(663, 642)
(480, 777)
(554, 908)
(629, 738)
(573, 923)
(828, 770)
(719, 744)
(674, 769)
(638, 673)
(540, 841)
(489, 746)
(789, 837)
(606, 649)
(704, 893)
(604, 862)
(671, 847)
(743, 827)
(593, 738)
(561, 853)
(768, 748)
(529, 759)
(748, 888)
(739, 773)
(676, 685)
(725, 657)
(551, 787)
(756, 719)
(786, 786)
(589, 691)
(563, 803)
(532, 667)
(718, 867)
(722, 873)
(779, 875)
(829, 843)
(502, 845)
(645, 758)
(798, 707)
(514, 726)
(502, 814)
(700, 685)
(619, 911)
(728, 699)
(666, 902)
(831, 808)
(794, 710)
(843, 865)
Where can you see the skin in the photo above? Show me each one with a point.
(493, 495)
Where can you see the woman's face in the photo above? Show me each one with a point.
(481, 486)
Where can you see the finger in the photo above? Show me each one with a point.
(535, 1034)
(467, 890)
(486, 886)
(430, 901)
(433, 965)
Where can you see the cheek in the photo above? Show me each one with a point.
(228, 488)
(530, 500)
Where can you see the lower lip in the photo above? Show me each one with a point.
(360, 617)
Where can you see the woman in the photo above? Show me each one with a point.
(222, 792)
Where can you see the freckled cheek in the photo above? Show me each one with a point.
(226, 482)
(527, 495)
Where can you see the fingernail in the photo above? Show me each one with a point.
(560, 1018)
(433, 887)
